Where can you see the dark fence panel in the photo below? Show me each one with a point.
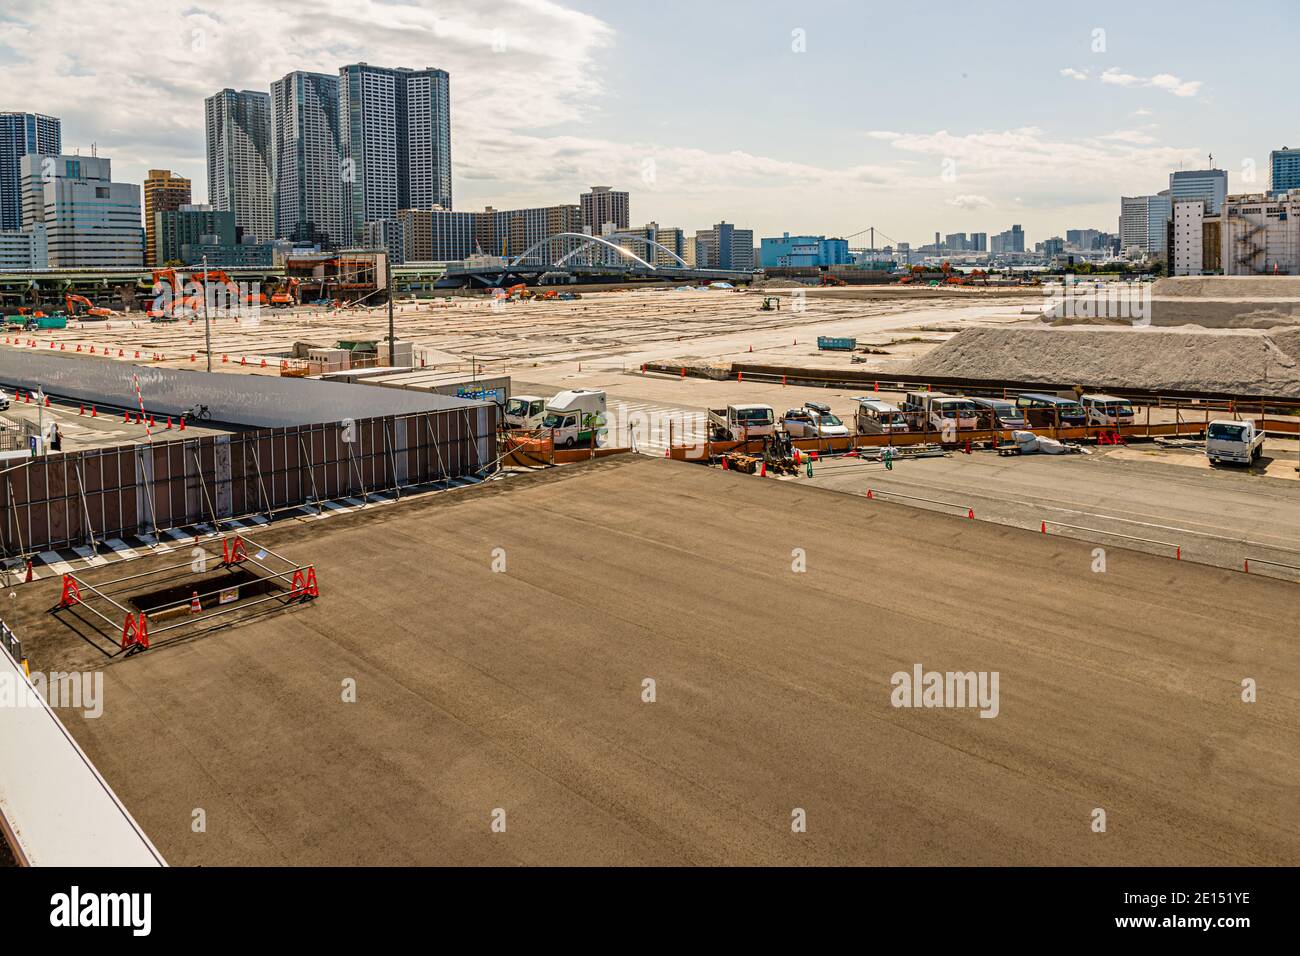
(70, 499)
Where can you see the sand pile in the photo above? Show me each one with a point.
(1242, 363)
(1228, 287)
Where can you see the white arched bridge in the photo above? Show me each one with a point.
(579, 257)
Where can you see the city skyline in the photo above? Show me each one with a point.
(551, 98)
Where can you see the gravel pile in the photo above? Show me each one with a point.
(1228, 287)
(1240, 362)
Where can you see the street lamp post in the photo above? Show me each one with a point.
(207, 325)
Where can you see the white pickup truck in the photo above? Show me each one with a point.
(737, 422)
(1239, 442)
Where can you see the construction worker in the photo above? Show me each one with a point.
(888, 456)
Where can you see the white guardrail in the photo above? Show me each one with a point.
(55, 808)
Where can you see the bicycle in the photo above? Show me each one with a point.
(198, 413)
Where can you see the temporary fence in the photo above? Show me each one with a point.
(77, 498)
(168, 598)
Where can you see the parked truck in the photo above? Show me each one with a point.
(941, 412)
(576, 417)
(739, 422)
(1239, 442)
(525, 411)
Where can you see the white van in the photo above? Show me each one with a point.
(875, 417)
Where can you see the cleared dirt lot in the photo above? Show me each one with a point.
(618, 329)
(523, 690)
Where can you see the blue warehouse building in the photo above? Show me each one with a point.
(794, 252)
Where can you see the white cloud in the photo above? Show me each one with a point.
(969, 201)
(1074, 74)
(1117, 77)
(1161, 81)
(1136, 137)
(1171, 83)
(514, 64)
(991, 162)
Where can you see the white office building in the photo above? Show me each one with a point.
(90, 221)
(238, 126)
(1188, 256)
(25, 250)
(1260, 235)
(1142, 223)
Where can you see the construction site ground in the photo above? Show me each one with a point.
(520, 695)
(617, 329)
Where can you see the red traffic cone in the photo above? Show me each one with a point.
(94, 412)
(30, 575)
(47, 401)
(169, 424)
(724, 463)
(182, 428)
(83, 410)
(762, 469)
(1043, 528)
(970, 513)
(195, 606)
(869, 494)
(151, 421)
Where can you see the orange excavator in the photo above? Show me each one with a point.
(286, 294)
(92, 311)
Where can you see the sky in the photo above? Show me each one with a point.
(825, 117)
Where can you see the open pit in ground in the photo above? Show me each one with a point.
(1237, 362)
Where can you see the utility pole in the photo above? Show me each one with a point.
(207, 326)
(388, 278)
